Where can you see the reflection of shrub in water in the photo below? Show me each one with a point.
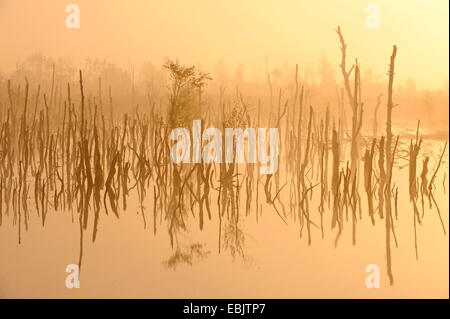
(187, 255)
(234, 239)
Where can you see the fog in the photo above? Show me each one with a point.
(259, 34)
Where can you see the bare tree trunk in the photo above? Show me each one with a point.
(389, 160)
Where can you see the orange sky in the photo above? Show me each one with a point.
(237, 31)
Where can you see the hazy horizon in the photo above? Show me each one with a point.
(261, 35)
